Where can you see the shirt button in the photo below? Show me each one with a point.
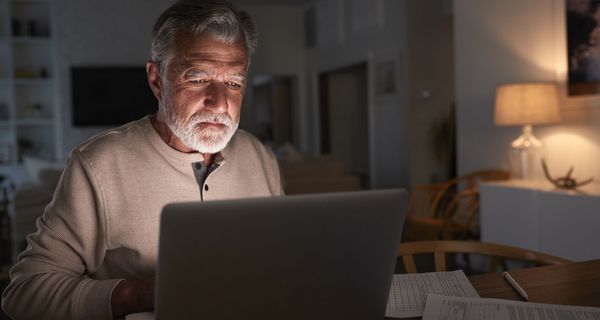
(205, 187)
(198, 165)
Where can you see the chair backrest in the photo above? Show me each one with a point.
(461, 215)
(448, 210)
(461, 211)
(439, 249)
(425, 199)
(432, 199)
(424, 215)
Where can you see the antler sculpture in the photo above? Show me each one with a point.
(565, 182)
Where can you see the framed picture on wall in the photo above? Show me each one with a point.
(583, 47)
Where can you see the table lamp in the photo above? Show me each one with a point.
(526, 104)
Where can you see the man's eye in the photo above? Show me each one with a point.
(234, 85)
(199, 81)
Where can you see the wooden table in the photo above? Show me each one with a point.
(571, 284)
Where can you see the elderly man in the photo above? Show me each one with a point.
(94, 254)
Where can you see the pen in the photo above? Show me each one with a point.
(515, 286)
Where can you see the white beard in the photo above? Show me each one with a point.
(204, 140)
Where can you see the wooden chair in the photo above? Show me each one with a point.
(448, 210)
(461, 214)
(496, 253)
(424, 217)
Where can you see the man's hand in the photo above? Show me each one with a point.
(132, 296)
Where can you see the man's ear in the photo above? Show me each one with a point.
(153, 74)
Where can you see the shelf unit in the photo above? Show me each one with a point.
(29, 102)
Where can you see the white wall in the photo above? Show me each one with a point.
(96, 33)
(430, 87)
(280, 40)
(499, 41)
(349, 43)
(280, 52)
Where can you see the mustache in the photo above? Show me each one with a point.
(220, 118)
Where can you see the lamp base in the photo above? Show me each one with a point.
(525, 155)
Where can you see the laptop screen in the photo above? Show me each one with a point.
(325, 256)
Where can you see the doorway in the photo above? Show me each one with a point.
(344, 118)
(273, 109)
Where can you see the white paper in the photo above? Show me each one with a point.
(455, 308)
(408, 293)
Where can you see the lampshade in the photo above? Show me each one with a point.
(526, 104)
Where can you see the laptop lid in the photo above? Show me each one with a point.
(322, 256)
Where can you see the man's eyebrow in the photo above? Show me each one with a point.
(238, 76)
(193, 73)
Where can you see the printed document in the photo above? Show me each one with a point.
(455, 308)
(408, 293)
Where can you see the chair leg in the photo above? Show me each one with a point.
(409, 264)
(467, 258)
(440, 261)
(493, 264)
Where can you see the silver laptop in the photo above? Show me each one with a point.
(326, 256)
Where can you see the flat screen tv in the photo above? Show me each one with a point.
(109, 96)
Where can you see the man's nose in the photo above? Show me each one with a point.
(216, 97)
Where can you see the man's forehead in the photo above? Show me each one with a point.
(200, 72)
(206, 47)
(197, 64)
(214, 56)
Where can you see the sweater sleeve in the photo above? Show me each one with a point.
(278, 179)
(52, 277)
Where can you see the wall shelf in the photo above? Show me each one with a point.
(27, 2)
(35, 122)
(32, 82)
(29, 100)
(32, 40)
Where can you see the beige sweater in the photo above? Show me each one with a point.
(102, 224)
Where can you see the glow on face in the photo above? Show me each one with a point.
(203, 91)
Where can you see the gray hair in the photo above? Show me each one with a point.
(219, 18)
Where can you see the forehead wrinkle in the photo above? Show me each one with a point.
(195, 73)
(229, 58)
(216, 57)
(199, 72)
(203, 61)
(206, 47)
